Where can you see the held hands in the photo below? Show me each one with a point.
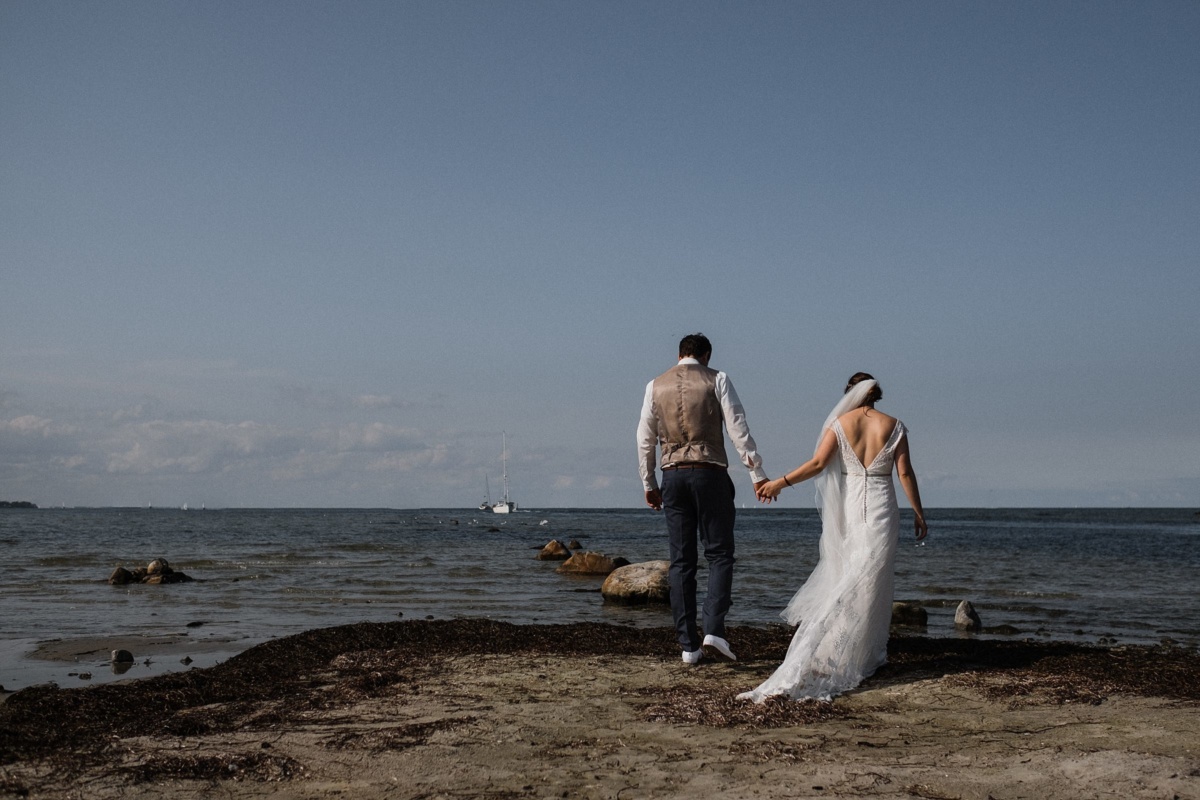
(767, 491)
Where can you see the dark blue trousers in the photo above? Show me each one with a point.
(698, 504)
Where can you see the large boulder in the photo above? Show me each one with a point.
(635, 584)
(909, 614)
(966, 618)
(554, 551)
(588, 563)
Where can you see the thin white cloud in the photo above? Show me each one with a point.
(378, 401)
(33, 425)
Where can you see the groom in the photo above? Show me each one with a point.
(683, 412)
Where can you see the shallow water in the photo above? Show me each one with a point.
(1075, 574)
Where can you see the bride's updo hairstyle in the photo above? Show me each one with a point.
(873, 396)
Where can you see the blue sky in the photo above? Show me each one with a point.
(322, 254)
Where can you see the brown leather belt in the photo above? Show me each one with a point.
(693, 465)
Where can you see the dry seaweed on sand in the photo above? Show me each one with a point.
(219, 766)
(11, 786)
(723, 709)
(1054, 672)
(396, 737)
(1092, 675)
(281, 681)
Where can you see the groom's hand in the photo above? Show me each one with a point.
(762, 496)
(654, 499)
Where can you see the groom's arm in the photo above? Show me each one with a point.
(738, 429)
(647, 442)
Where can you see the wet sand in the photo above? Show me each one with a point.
(100, 648)
(470, 708)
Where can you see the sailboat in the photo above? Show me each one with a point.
(505, 506)
(486, 505)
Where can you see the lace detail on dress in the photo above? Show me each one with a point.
(881, 465)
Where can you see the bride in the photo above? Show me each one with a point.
(844, 609)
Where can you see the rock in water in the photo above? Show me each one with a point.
(121, 576)
(554, 551)
(158, 571)
(638, 583)
(966, 618)
(169, 577)
(908, 613)
(122, 656)
(574, 544)
(588, 563)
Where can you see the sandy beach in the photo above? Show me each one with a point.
(471, 708)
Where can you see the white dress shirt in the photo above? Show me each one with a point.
(735, 426)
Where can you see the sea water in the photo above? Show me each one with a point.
(1124, 575)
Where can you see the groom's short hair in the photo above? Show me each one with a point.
(695, 345)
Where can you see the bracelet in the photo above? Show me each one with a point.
(785, 480)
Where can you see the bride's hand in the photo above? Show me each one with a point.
(921, 527)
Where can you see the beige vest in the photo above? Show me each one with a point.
(690, 422)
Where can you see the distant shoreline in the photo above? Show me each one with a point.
(471, 510)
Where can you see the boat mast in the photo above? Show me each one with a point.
(504, 461)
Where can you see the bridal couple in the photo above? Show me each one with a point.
(844, 609)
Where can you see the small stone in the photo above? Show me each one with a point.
(909, 614)
(120, 656)
(574, 544)
(121, 576)
(85, 676)
(588, 563)
(185, 660)
(166, 577)
(158, 566)
(554, 551)
(966, 618)
(197, 623)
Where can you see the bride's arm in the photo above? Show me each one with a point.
(825, 451)
(908, 480)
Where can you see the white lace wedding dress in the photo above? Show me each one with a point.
(844, 609)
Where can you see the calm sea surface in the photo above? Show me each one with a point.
(1132, 575)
